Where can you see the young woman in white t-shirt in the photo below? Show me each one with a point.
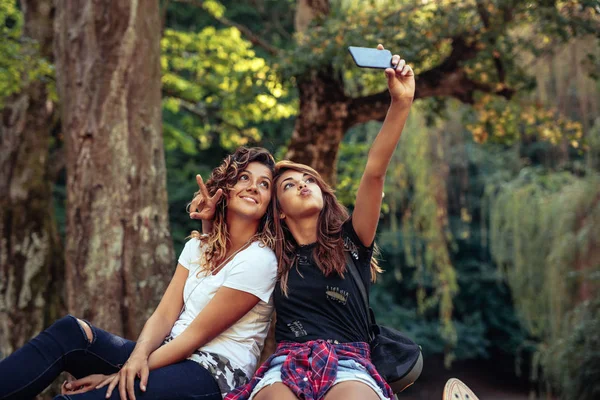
(205, 336)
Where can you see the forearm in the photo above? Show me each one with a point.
(226, 307)
(153, 334)
(385, 143)
(177, 350)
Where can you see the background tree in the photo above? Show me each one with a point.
(459, 49)
(31, 263)
(118, 246)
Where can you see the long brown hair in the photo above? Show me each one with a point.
(224, 177)
(329, 250)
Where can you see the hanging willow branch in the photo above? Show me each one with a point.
(545, 234)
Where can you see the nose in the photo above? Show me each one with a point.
(252, 187)
(301, 185)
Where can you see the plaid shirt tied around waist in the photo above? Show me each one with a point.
(310, 368)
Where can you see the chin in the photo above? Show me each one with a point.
(254, 214)
(306, 212)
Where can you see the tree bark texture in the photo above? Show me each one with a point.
(31, 262)
(321, 122)
(119, 255)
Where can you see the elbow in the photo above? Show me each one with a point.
(375, 176)
(188, 354)
(375, 170)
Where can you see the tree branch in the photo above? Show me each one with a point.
(203, 114)
(169, 92)
(449, 79)
(368, 108)
(251, 36)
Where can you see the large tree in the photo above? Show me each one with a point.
(30, 248)
(458, 49)
(118, 248)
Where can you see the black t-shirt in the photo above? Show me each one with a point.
(319, 307)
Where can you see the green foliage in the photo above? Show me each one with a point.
(11, 25)
(20, 62)
(507, 122)
(417, 193)
(572, 361)
(544, 230)
(352, 160)
(412, 199)
(541, 225)
(422, 31)
(483, 315)
(181, 186)
(217, 88)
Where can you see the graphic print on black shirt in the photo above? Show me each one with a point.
(320, 307)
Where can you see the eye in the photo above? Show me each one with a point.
(265, 184)
(243, 177)
(310, 179)
(288, 185)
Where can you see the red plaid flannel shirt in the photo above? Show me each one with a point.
(310, 379)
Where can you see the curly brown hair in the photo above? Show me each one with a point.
(329, 251)
(224, 177)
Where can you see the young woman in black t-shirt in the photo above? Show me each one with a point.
(321, 326)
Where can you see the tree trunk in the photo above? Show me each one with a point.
(31, 261)
(321, 123)
(119, 254)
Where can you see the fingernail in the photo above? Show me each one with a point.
(143, 387)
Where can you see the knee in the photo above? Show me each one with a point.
(65, 324)
(87, 329)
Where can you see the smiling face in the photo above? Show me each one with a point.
(251, 195)
(298, 195)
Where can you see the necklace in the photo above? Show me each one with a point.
(228, 259)
(231, 256)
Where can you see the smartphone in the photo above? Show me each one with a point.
(366, 57)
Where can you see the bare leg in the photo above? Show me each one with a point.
(351, 390)
(276, 391)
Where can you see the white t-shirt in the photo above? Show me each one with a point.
(252, 270)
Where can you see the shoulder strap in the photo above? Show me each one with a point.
(361, 287)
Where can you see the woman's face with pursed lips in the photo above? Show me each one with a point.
(298, 194)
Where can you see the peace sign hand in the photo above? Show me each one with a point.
(203, 206)
(401, 81)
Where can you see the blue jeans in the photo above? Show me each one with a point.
(64, 346)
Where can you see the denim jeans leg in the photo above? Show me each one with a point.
(64, 346)
(185, 380)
